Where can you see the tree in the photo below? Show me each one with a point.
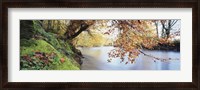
(156, 22)
(167, 27)
(132, 35)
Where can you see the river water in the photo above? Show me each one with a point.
(95, 58)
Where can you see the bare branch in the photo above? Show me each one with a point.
(157, 58)
(174, 22)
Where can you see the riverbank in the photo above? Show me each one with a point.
(174, 46)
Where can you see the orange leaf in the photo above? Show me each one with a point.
(62, 60)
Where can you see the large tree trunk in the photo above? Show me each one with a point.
(168, 29)
(163, 30)
(82, 28)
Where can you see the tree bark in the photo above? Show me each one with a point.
(48, 25)
(83, 28)
(156, 23)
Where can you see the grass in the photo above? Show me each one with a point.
(29, 46)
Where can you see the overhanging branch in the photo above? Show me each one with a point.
(83, 28)
(157, 58)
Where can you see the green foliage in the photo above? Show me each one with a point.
(49, 37)
(40, 41)
(39, 45)
(38, 61)
(66, 66)
(36, 57)
(27, 43)
(26, 29)
(65, 47)
(56, 26)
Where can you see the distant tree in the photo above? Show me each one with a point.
(156, 22)
(167, 27)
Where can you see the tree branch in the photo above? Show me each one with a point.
(163, 25)
(83, 28)
(174, 23)
(157, 58)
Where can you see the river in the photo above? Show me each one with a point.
(95, 58)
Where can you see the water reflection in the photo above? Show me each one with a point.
(96, 59)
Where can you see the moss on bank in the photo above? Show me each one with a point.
(41, 47)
